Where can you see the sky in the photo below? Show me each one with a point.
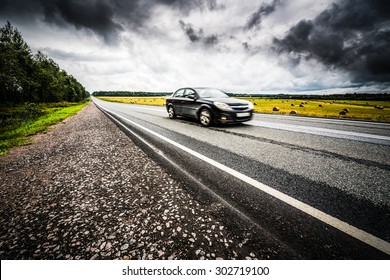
(269, 46)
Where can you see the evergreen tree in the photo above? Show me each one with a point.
(28, 78)
(16, 65)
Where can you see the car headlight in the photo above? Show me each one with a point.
(222, 106)
(250, 105)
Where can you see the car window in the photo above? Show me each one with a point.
(211, 93)
(179, 93)
(189, 92)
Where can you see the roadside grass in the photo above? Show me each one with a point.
(19, 122)
(360, 110)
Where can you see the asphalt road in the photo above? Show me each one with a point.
(320, 187)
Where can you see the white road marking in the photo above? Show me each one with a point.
(145, 107)
(319, 131)
(351, 230)
(351, 122)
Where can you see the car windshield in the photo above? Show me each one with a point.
(211, 93)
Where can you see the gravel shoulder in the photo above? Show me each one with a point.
(84, 190)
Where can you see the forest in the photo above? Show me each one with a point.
(36, 78)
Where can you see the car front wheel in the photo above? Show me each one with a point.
(205, 117)
(171, 113)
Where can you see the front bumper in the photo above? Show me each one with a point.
(233, 116)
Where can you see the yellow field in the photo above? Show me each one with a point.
(154, 100)
(363, 110)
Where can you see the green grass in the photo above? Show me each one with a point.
(360, 110)
(20, 122)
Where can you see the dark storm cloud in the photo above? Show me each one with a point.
(264, 10)
(353, 35)
(96, 16)
(197, 36)
(103, 17)
(186, 5)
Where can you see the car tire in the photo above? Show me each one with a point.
(205, 117)
(171, 112)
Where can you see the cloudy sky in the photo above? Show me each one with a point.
(238, 46)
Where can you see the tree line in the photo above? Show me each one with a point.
(28, 77)
(130, 93)
(339, 96)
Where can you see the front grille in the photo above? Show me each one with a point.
(239, 107)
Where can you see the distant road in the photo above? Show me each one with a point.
(322, 186)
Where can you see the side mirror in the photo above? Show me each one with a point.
(191, 96)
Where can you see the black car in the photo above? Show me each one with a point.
(208, 105)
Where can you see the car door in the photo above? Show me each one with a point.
(189, 104)
(177, 101)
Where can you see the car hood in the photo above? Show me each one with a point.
(230, 101)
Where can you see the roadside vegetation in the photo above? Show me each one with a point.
(347, 109)
(20, 122)
(34, 91)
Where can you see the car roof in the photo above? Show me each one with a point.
(197, 88)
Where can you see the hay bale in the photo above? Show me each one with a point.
(293, 112)
(342, 113)
(320, 105)
(301, 105)
(275, 109)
